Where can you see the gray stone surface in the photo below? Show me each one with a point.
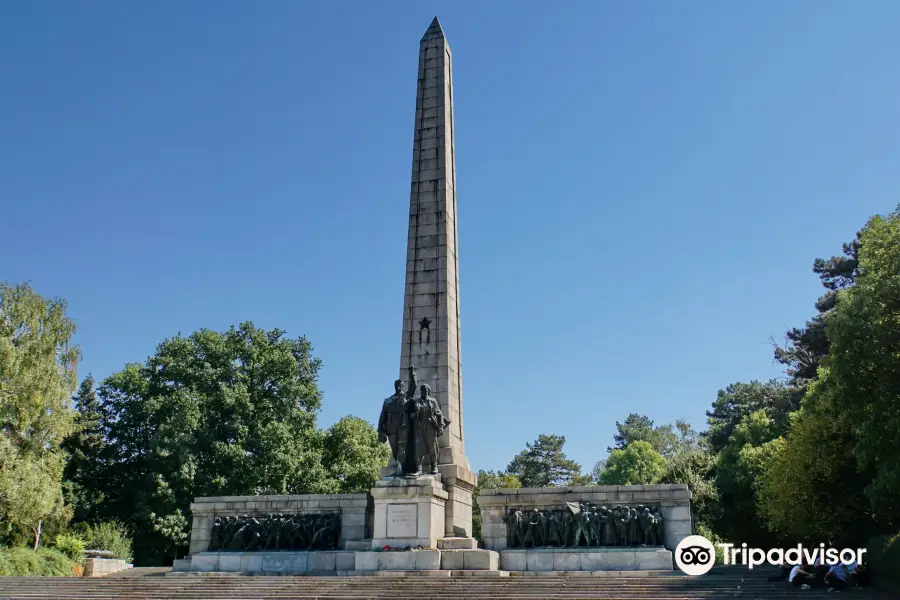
(181, 565)
(480, 560)
(101, 567)
(457, 543)
(453, 560)
(431, 334)
(286, 563)
(515, 560)
(417, 560)
(409, 512)
(586, 559)
(566, 561)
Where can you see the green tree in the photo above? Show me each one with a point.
(637, 464)
(84, 448)
(174, 529)
(863, 364)
(30, 490)
(686, 439)
(37, 377)
(353, 456)
(738, 400)
(489, 480)
(543, 463)
(696, 467)
(740, 467)
(806, 346)
(837, 472)
(212, 414)
(640, 428)
(813, 491)
(493, 480)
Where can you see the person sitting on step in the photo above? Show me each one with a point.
(837, 577)
(802, 577)
(863, 575)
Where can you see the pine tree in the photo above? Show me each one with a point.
(543, 463)
(84, 447)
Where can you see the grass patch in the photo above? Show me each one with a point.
(26, 562)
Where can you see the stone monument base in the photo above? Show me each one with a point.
(409, 512)
(587, 559)
(328, 562)
(270, 563)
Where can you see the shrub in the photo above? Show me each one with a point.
(112, 536)
(715, 539)
(883, 553)
(27, 562)
(70, 545)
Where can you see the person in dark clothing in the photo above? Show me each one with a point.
(837, 578)
(860, 575)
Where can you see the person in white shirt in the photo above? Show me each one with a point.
(801, 578)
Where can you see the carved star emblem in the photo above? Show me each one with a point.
(424, 323)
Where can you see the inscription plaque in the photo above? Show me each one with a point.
(401, 520)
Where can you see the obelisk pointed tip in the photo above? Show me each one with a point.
(434, 30)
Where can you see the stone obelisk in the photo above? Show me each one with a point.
(431, 338)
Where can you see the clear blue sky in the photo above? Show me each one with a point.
(642, 187)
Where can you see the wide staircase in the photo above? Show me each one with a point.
(147, 584)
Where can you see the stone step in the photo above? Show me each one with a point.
(151, 584)
(457, 543)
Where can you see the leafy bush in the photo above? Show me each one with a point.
(715, 539)
(27, 562)
(70, 545)
(883, 553)
(112, 536)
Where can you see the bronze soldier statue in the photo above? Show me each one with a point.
(429, 424)
(394, 425)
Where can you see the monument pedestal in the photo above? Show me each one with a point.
(587, 559)
(459, 482)
(409, 512)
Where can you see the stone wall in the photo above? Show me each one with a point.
(356, 512)
(100, 567)
(674, 501)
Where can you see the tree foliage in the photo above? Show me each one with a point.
(489, 480)
(842, 457)
(84, 447)
(37, 377)
(640, 428)
(637, 464)
(174, 529)
(30, 490)
(353, 456)
(739, 400)
(863, 365)
(740, 464)
(543, 463)
(812, 490)
(806, 346)
(493, 480)
(695, 465)
(212, 414)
